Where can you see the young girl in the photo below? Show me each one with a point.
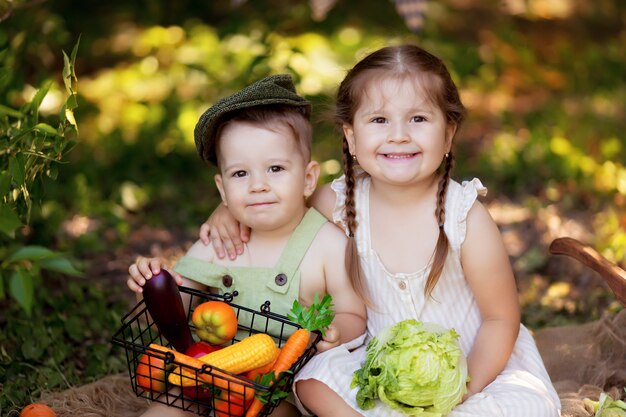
(427, 249)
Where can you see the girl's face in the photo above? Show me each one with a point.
(398, 135)
(264, 178)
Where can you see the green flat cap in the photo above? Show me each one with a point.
(275, 89)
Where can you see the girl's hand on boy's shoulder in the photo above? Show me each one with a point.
(225, 233)
(145, 268)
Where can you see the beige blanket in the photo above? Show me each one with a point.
(582, 360)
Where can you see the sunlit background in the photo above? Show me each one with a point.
(543, 81)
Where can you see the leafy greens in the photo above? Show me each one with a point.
(413, 367)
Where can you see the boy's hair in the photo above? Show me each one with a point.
(398, 62)
(274, 90)
(276, 118)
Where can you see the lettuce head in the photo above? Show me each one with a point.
(413, 367)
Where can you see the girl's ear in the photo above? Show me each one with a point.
(348, 132)
(220, 188)
(450, 132)
(311, 175)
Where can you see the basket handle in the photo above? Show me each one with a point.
(612, 274)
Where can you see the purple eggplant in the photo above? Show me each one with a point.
(162, 298)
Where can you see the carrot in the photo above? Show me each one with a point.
(291, 351)
(255, 408)
(211, 376)
(289, 354)
(316, 317)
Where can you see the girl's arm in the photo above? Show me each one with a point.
(227, 235)
(489, 274)
(350, 313)
(323, 200)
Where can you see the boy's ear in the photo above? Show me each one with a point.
(220, 188)
(311, 175)
(348, 132)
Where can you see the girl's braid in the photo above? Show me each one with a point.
(441, 249)
(353, 266)
(348, 164)
(440, 211)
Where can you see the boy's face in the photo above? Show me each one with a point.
(263, 178)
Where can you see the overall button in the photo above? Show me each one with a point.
(281, 279)
(402, 285)
(227, 280)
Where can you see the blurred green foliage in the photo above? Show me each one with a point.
(543, 82)
(30, 151)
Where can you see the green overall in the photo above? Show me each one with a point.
(279, 284)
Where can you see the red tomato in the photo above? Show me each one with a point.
(230, 405)
(215, 321)
(150, 373)
(200, 349)
(202, 392)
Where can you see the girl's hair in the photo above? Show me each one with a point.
(399, 62)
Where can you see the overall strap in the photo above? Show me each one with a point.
(300, 241)
(204, 272)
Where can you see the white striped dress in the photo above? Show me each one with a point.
(522, 389)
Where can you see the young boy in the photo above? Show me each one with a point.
(260, 139)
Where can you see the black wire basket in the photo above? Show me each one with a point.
(208, 390)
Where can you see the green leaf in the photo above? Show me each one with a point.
(17, 169)
(46, 129)
(10, 112)
(318, 316)
(5, 183)
(22, 289)
(32, 253)
(39, 96)
(69, 75)
(62, 265)
(9, 221)
(71, 103)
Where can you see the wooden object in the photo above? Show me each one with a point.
(612, 274)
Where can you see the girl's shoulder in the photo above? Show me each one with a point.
(460, 198)
(467, 188)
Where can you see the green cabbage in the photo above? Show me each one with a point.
(607, 406)
(413, 367)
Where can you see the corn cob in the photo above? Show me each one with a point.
(214, 377)
(250, 353)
